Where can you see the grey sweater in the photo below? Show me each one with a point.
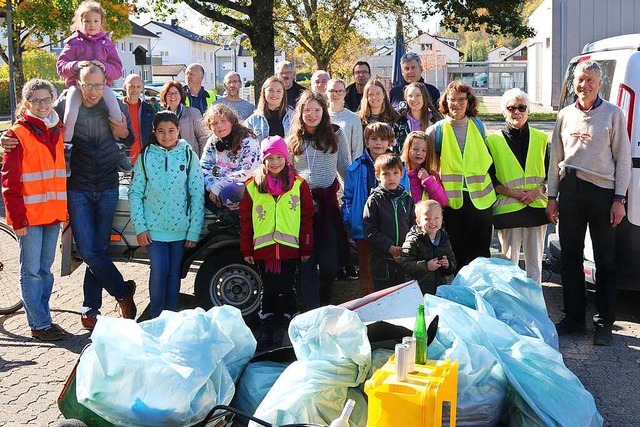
(593, 142)
(351, 125)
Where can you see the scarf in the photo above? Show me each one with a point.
(274, 185)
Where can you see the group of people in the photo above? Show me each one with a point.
(405, 170)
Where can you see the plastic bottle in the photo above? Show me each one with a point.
(343, 419)
(420, 334)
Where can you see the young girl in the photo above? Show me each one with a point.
(320, 154)
(276, 214)
(90, 44)
(420, 159)
(167, 207)
(418, 114)
(230, 157)
(35, 196)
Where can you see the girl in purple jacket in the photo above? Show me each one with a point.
(422, 163)
(88, 44)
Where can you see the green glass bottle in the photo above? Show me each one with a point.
(420, 334)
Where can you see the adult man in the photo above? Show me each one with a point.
(232, 85)
(196, 95)
(411, 68)
(319, 81)
(141, 114)
(287, 73)
(589, 174)
(362, 74)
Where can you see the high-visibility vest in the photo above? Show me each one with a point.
(511, 174)
(44, 180)
(276, 219)
(468, 170)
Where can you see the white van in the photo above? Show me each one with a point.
(619, 58)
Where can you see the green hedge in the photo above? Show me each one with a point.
(4, 95)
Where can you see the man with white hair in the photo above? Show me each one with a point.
(589, 174)
(141, 114)
(286, 72)
(232, 85)
(319, 81)
(195, 94)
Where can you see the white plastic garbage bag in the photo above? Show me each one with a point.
(333, 354)
(167, 371)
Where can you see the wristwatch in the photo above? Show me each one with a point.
(620, 199)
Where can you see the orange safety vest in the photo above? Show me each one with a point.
(44, 180)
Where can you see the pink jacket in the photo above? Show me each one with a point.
(83, 47)
(431, 184)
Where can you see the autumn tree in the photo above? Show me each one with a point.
(36, 20)
(35, 63)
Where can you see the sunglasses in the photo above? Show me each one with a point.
(513, 108)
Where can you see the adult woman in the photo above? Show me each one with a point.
(521, 162)
(418, 115)
(348, 121)
(320, 153)
(191, 130)
(465, 162)
(272, 116)
(375, 105)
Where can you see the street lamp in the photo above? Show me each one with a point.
(234, 45)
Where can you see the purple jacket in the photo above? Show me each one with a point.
(83, 47)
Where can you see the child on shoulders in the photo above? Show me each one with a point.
(388, 216)
(427, 255)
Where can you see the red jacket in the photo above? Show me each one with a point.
(12, 168)
(285, 252)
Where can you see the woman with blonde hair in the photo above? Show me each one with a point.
(272, 116)
(375, 105)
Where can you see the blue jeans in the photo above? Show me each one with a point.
(37, 250)
(91, 215)
(164, 280)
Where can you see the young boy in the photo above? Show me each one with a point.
(427, 255)
(388, 216)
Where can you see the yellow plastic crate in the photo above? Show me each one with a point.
(416, 402)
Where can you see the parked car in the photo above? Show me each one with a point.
(222, 278)
(619, 58)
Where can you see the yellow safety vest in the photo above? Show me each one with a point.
(510, 173)
(276, 219)
(470, 168)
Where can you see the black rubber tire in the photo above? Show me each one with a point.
(10, 297)
(224, 278)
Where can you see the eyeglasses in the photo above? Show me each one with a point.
(513, 108)
(43, 101)
(360, 73)
(458, 101)
(338, 91)
(172, 94)
(89, 86)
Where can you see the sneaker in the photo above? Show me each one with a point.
(568, 326)
(124, 162)
(602, 335)
(46, 334)
(350, 272)
(127, 305)
(88, 321)
(265, 337)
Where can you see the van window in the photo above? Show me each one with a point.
(568, 95)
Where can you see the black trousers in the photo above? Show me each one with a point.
(470, 231)
(581, 203)
(275, 285)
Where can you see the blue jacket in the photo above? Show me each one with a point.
(145, 118)
(260, 126)
(166, 196)
(358, 184)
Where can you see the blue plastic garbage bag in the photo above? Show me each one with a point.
(541, 390)
(167, 371)
(333, 354)
(255, 383)
(502, 290)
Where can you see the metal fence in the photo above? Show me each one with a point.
(490, 78)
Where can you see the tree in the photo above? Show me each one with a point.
(35, 20)
(36, 63)
(251, 17)
(321, 27)
(494, 16)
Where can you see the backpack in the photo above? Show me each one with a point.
(438, 141)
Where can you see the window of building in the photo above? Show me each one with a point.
(244, 64)
(548, 42)
(145, 75)
(427, 46)
(130, 47)
(124, 73)
(122, 46)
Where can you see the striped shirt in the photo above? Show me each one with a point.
(320, 169)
